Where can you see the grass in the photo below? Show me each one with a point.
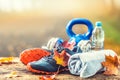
(111, 32)
(112, 37)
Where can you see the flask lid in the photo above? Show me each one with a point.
(98, 23)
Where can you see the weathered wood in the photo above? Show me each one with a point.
(26, 75)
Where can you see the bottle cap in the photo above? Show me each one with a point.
(98, 23)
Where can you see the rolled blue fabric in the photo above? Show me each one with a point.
(89, 63)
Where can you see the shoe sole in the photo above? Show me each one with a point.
(43, 72)
(33, 54)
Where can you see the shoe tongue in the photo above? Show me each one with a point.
(69, 51)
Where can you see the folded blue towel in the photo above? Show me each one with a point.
(89, 63)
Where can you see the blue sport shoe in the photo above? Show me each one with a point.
(47, 65)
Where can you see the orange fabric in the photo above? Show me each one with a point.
(68, 45)
(33, 54)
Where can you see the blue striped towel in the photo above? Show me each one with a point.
(89, 63)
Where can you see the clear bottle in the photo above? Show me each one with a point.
(98, 36)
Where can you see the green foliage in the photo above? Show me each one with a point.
(111, 29)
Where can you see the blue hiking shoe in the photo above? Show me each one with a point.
(47, 65)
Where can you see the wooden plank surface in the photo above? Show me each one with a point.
(24, 74)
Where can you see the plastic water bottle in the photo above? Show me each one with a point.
(98, 36)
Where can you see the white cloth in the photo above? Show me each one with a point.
(89, 63)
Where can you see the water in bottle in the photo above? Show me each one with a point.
(98, 36)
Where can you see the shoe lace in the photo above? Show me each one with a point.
(60, 49)
(49, 58)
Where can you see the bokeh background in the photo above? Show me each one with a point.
(31, 23)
